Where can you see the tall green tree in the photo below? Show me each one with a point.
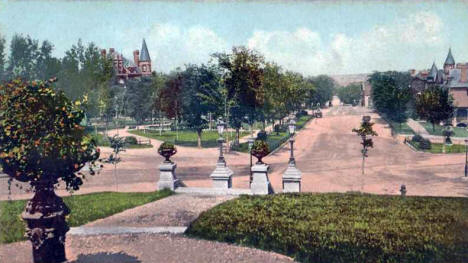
(200, 85)
(2, 59)
(139, 98)
(243, 79)
(325, 88)
(24, 52)
(391, 94)
(350, 94)
(434, 104)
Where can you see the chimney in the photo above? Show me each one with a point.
(463, 72)
(103, 53)
(111, 50)
(136, 57)
(412, 72)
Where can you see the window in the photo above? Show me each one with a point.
(144, 68)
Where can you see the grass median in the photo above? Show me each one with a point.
(84, 209)
(336, 227)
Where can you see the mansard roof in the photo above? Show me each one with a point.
(144, 54)
(449, 60)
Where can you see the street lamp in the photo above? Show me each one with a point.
(466, 158)
(250, 142)
(220, 126)
(292, 130)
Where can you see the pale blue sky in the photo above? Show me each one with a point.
(311, 37)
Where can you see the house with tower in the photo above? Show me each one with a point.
(126, 69)
(454, 77)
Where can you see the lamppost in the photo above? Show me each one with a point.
(292, 176)
(222, 175)
(250, 142)
(220, 126)
(292, 130)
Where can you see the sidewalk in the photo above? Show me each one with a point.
(417, 127)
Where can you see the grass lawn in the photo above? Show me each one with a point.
(404, 129)
(275, 140)
(458, 132)
(337, 227)
(84, 209)
(438, 147)
(138, 146)
(187, 138)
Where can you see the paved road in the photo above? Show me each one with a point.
(327, 152)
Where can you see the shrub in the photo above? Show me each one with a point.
(301, 113)
(277, 128)
(262, 135)
(343, 227)
(132, 140)
(417, 138)
(425, 144)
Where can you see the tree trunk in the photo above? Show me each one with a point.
(237, 136)
(199, 132)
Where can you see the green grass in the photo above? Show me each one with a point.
(458, 132)
(438, 148)
(343, 227)
(139, 146)
(404, 129)
(84, 209)
(275, 140)
(187, 138)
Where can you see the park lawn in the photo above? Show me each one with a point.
(438, 148)
(188, 138)
(84, 209)
(405, 129)
(138, 146)
(335, 227)
(274, 139)
(457, 131)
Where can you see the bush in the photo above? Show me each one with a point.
(301, 113)
(262, 135)
(425, 144)
(343, 227)
(417, 138)
(132, 140)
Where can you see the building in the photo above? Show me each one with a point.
(126, 69)
(453, 77)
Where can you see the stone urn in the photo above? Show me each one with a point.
(260, 149)
(167, 150)
(45, 223)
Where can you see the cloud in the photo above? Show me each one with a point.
(172, 46)
(402, 43)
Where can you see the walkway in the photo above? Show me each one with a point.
(417, 127)
(89, 244)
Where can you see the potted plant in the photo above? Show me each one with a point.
(42, 142)
(260, 149)
(166, 150)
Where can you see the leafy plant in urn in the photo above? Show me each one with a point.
(166, 150)
(260, 149)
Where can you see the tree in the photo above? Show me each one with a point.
(364, 131)
(243, 79)
(200, 86)
(350, 94)
(434, 104)
(24, 52)
(325, 87)
(2, 59)
(139, 99)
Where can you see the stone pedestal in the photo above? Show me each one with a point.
(260, 183)
(222, 176)
(292, 180)
(167, 177)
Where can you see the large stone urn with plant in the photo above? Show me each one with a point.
(260, 183)
(42, 142)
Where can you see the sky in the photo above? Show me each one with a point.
(310, 37)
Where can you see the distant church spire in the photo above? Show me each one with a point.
(449, 60)
(144, 54)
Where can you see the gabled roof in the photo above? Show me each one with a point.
(144, 54)
(449, 60)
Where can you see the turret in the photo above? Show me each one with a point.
(145, 61)
(449, 62)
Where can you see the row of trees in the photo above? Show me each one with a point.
(394, 98)
(240, 86)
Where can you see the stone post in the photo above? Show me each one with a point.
(167, 177)
(292, 179)
(260, 183)
(222, 176)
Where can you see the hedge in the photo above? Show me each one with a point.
(343, 227)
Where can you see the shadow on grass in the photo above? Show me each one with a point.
(105, 257)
